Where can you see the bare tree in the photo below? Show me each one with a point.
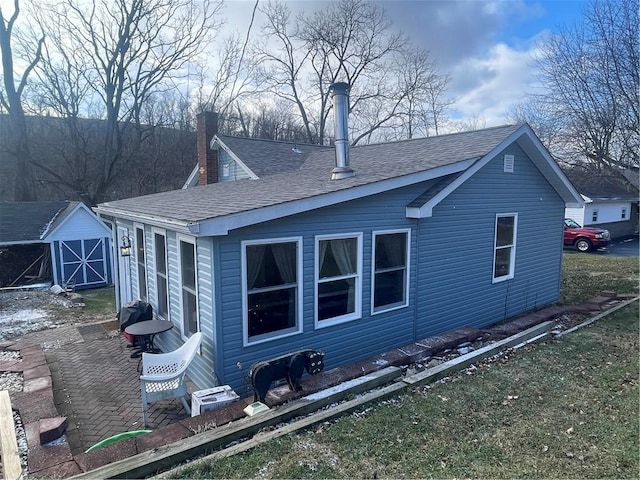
(11, 100)
(591, 73)
(351, 41)
(117, 55)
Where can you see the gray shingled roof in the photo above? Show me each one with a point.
(268, 157)
(372, 163)
(22, 222)
(602, 186)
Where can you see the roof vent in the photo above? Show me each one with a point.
(341, 114)
(509, 161)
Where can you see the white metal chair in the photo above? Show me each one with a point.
(163, 374)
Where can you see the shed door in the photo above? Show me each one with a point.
(84, 262)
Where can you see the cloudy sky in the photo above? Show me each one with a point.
(486, 46)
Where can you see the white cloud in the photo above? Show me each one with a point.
(487, 86)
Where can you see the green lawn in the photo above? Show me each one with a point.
(565, 408)
(585, 275)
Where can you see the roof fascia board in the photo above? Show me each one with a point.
(160, 222)
(79, 206)
(216, 139)
(53, 219)
(614, 200)
(192, 179)
(426, 210)
(20, 242)
(571, 197)
(222, 225)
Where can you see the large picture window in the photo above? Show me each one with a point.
(505, 246)
(272, 289)
(390, 270)
(162, 280)
(140, 261)
(188, 287)
(338, 284)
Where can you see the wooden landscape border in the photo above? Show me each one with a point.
(150, 463)
(11, 467)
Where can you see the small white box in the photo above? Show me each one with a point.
(211, 398)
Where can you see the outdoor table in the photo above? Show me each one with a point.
(147, 331)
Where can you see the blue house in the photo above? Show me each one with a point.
(350, 251)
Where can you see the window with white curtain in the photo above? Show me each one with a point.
(338, 278)
(390, 270)
(505, 246)
(272, 290)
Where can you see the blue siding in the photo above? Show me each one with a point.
(451, 266)
(341, 343)
(456, 249)
(235, 172)
(201, 372)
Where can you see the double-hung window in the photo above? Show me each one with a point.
(162, 279)
(338, 278)
(189, 297)
(504, 257)
(140, 260)
(272, 288)
(390, 270)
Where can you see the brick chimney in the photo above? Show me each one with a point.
(207, 158)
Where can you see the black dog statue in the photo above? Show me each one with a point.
(290, 366)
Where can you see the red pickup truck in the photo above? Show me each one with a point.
(584, 238)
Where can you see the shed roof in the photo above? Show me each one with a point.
(29, 222)
(216, 208)
(602, 186)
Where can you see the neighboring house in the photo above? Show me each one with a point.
(429, 235)
(72, 240)
(610, 201)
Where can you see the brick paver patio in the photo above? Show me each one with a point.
(96, 384)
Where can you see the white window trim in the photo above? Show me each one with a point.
(594, 215)
(623, 213)
(243, 280)
(373, 270)
(192, 241)
(357, 314)
(136, 227)
(162, 232)
(512, 262)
